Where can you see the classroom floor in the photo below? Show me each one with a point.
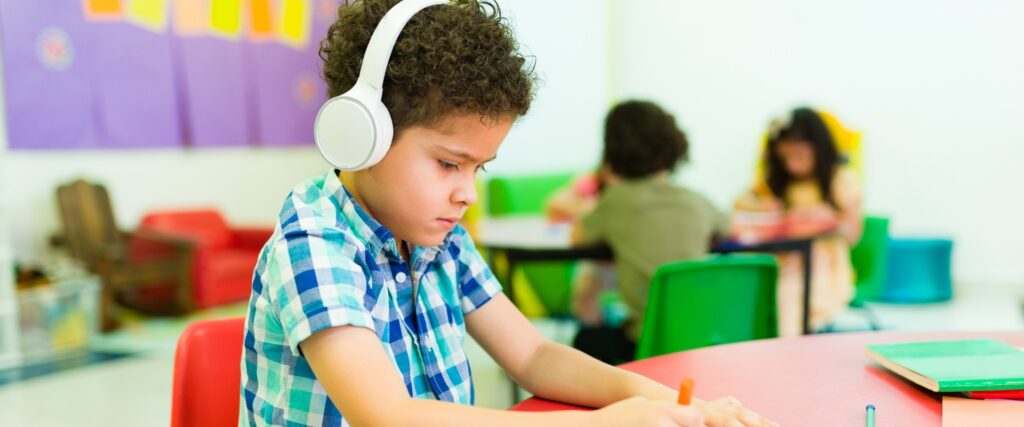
(135, 391)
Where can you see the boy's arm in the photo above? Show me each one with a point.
(564, 374)
(358, 377)
(550, 370)
(361, 381)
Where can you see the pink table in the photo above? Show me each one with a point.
(814, 381)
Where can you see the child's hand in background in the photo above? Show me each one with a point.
(810, 222)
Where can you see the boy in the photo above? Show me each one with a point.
(646, 219)
(363, 296)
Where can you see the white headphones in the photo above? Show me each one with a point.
(353, 130)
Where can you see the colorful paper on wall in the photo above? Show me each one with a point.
(102, 10)
(296, 16)
(226, 17)
(191, 17)
(149, 14)
(261, 24)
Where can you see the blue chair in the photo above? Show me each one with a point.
(919, 270)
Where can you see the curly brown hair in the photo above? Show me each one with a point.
(459, 58)
(641, 139)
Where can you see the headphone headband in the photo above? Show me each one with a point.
(354, 130)
(382, 42)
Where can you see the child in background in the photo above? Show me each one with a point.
(363, 297)
(647, 220)
(593, 281)
(805, 182)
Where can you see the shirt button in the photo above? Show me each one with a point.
(400, 277)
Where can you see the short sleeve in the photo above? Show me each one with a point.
(477, 284)
(314, 283)
(592, 225)
(719, 219)
(846, 189)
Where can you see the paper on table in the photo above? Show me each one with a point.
(962, 412)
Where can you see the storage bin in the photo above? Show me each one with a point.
(919, 270)
(57, 319)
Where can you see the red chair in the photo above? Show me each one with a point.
(207, 374)
(225, 256)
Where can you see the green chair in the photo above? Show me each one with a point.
(716, 300)
(551, 281)
(869, 258)
(523, 195)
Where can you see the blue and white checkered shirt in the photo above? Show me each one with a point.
(330, 264)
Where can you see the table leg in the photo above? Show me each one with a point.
(805, 254)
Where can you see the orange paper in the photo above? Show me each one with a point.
(260, 16)
(102, 9)
(191, 17)
(961, 412)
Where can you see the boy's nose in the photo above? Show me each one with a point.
(465, 193)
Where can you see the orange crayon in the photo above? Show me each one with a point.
(685, 391)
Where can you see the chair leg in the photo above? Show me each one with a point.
(108, 320)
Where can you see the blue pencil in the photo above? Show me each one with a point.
(870, 416)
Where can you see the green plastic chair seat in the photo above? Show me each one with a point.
(870, 260)
(551, 281)
(716, 300)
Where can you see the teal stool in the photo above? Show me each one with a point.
(919, 270)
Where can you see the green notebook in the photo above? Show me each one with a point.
(949, 366)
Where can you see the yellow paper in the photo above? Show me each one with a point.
(102, 10)
(961, 412)
(261, 21)
(226, 17)
(150, 14)
(191, 17)
(295, 22)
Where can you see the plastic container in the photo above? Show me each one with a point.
(58, 319)
(919, 271)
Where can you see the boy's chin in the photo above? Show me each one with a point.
(428, 240)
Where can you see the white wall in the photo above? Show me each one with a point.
(249, 184)
(937, 87)
(562, 131)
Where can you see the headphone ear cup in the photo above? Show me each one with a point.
(385, 135)
(348, 132)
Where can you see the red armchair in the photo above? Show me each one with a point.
(224, 259)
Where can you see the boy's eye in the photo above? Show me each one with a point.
(481, 168)
(447, 165)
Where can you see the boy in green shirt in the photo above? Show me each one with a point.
(647, 220)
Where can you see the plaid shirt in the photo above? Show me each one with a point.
(330, 264)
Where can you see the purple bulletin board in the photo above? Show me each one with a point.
(287, 81)
(214, 89)
(162, 73)
(47, 92)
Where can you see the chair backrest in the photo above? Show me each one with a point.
(716, 300)
(870, 258)
(205, 226)
(90, 230)
(207, 374)
(513, 195)
(550, 281)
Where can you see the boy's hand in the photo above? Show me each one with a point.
(729, 412)
(643, 412)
